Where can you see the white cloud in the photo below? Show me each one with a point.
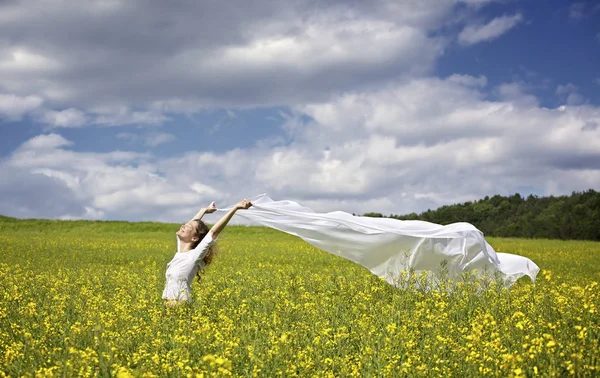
(468, 80)
(24, 61)
(122, 115)
(105, 116)
(570, 93)
(205, 190)
(367, 129)
(424, 135)
(413, 145)
(198, 56)
(155, 139)
(590, 126)
(323, 45)
(118, 184)
(289, 170)
(575, 99)
(65, 118)
(565, 89)
(517, 94)
(14, 107)
(29, 195)
(473, 34)
(203, 55)
(45, 142)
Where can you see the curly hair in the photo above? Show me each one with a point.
(201, 232)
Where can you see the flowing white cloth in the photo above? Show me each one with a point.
(387, 247)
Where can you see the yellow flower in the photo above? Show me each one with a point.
(124, 373)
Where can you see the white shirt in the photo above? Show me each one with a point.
(183, 268)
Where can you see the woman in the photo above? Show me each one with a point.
(194, 247)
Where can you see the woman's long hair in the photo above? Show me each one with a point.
(201, 232)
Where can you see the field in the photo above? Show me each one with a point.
(83, 299)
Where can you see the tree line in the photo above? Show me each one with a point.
(576, 216)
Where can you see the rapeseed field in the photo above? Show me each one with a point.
(84, 299)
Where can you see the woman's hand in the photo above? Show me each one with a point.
(218, 227)
(205, 210)
(211, 208)
(245, 204)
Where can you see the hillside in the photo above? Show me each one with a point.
(576, 216)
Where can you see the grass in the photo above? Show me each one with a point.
(83, 298)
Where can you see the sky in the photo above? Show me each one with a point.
(148, 110)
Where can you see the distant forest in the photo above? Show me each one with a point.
(565, 217)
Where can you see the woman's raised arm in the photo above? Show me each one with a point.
(220, 225)
(205, 210)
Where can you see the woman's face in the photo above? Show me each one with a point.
(187, 232)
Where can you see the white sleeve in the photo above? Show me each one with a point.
(201, 249)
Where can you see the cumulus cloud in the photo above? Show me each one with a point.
(65, 118)
(413, 145)
(473, 34)
(25, 194)
(468, 80)
(517, 94)
(414, 139)
(155, 139)
(13, 107)
(44, 142)
(366, 126)
(565, 88)
(590, 126)
(23, 60)
(117, 116)
(117, 184)
(570, 93)
(204, 54)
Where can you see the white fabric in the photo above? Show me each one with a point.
(182, 270)
(387, 247)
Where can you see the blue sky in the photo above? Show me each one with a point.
(148, 112)
(552, 45)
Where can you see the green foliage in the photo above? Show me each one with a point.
(6, 219)
(565, 217)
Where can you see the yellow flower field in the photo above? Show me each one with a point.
(83, 299)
